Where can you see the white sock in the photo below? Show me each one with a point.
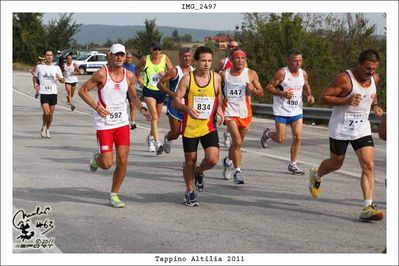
(228, 161)
(292, 162)
(113, 194)
(367, 202)
(316, 176)
(237, 169)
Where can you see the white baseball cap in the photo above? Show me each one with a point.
(117, 48)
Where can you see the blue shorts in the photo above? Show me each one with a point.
(172, 112)
(158, 95)
(287, 120)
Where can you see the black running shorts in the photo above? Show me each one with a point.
(339, 147)
(208, 140)
(50, 99)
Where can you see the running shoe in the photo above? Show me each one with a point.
(371, 213)
(238, 179)
(159, 147)
(314, 184)
(151, 144)
(265, 139)
(295, 170)
(227, 168)
(93, 162)
(133, 126)
(115, 202)
(48, 135)
(199, 180)
(227, 139)
(191, 199)
(166, 144)
(73, 107)
(43, 132)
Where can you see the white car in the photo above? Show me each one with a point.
(90, 62)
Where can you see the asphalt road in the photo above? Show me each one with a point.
(272, 213)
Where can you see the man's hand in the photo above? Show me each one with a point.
(102, 111)
(220, 113)
(310, 99)
(194, 113)
(355, 99)
(378, 111)
(288, 94)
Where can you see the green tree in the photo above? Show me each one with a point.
(143, 39)
(186, 38)
(28, 37)
(175, 36)
(59, 32)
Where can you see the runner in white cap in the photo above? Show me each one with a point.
(110, 117)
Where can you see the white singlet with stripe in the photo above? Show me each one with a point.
(294, 106)
(349, 122)
(47, 78)
(236, 94)
(174, 83)
(69, 78)
(112, 97)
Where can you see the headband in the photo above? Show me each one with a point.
(238, 53)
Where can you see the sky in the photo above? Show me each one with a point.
(213, 21)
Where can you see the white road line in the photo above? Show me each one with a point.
(271, 156)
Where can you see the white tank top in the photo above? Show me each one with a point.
(349, 122)
(112, 97)
(69, 78)
(294, 106)
(236, 94)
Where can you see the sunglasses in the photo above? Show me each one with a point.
(233, 46)
(156, 49)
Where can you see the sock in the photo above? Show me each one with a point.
(237, 169)
(158, 143)
(112, 194)
(367, 202)
(292, 162)
(228, 161)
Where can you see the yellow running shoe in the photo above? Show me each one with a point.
(115, 202)
(371, 213)
(314, 185)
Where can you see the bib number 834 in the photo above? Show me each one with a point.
(203, 106)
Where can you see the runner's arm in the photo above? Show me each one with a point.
(133, 95)
(219, 97)
(272, 85)
(254, 85)
(95, 80)
(336, 93)
(171, 74)
(138, 68)
(181, 91)
(306, 89)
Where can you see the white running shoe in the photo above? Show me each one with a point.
(48, 135)
(227, 139)
(151, 143)
(227, 168)
(43, 132)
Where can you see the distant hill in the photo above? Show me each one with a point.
(100, 33)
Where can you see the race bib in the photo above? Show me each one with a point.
(353, 123)
(291, 104)
(117, 114)
(154, 79)
(204, 106)
(236, 92)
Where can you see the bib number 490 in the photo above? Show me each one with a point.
(292, 102)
